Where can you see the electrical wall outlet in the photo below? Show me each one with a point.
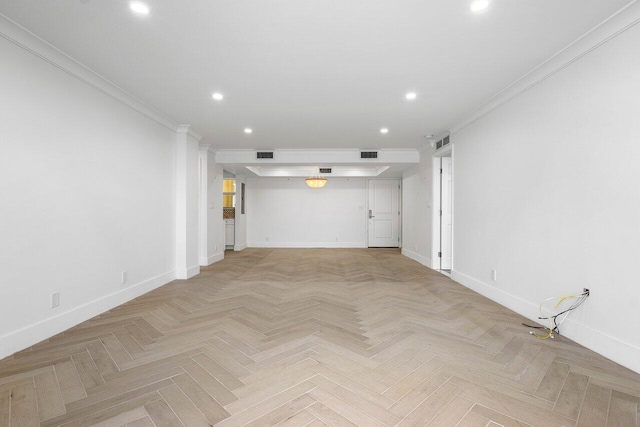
(124, 277)
(586, 291)
(494, 275)
(55, 299)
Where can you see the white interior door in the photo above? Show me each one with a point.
(446, 216)
(384, 213)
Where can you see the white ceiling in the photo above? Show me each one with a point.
(312, 74)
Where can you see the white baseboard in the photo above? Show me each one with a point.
(218, 256)
(26, 337)
(610, 347)
(307, 245)
(417, 257)
(188, 273)
(239, 248)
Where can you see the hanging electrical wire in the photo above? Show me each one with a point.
(556, 320)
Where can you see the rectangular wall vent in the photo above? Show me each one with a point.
(368, 154)
(325, 170)
(442, 143)
(265, 154)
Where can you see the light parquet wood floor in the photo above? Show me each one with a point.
(315, 337)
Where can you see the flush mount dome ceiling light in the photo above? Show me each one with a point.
(139, 7)
(479, 5)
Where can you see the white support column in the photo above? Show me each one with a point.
(186, 203)
(211, 227)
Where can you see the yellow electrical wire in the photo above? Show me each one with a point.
(560, 299)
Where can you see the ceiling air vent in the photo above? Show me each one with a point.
(325, 170)
(265, 154)
(442, 143)
(368, 154)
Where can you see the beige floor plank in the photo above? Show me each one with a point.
(623, 410)
(125, 418)
(203, 401)
(162, 415)
(49, 396)
(116, 350)
(497, 418)
(70, 385)
(185, 410)
(87, 370)
(344, 410)
(218, 372)
(113, 411)
(431, 406)
(24, 410)
(595, 407)
(302, 418)
(417, 395)
(102, 359)
(355, 400)
(452, 413)
(254, 412)
(5, 404)
(142, 422)
(283, 412)
(572, 395)
(211, 385)
(553, 381)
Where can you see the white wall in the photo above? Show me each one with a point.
(546, 192)
(417, 185)
(215, 225)
(187, 206)
(289, 214)
(240, 222)
(88, 191)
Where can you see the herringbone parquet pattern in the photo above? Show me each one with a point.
(313, 338)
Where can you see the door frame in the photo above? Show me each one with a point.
(436, 207)
(366, 210)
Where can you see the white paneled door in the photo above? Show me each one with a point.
(384, 213)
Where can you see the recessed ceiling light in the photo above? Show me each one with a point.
(411, 95)
(217, 96)
(384, 130)
(139, 7)
(479, 5)
(248, 130)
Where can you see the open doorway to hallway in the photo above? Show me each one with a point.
(442, 251)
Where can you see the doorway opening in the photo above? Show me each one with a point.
(442, 250)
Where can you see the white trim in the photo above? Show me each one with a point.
(29, 335)
(188, 273)
(241, 247)
(608, 346)
(219, 256)
(417, 257)
(23, 38)
(302, 245)
(611, 27)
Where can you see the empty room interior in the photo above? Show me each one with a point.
(304, 213)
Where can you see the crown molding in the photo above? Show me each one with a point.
(33, 44)
(610, 28)
(207, 146)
